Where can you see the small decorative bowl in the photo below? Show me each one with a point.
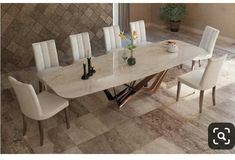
(172, 47)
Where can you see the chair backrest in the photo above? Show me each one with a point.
(111, 37)
(209, 38)
(81, 46)
(139, 27)
(27, 98)
(211, 73)
(45, 55)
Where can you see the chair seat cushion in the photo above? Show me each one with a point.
(51, 104)
(192, 79)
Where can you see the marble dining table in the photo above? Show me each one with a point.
(152, 61)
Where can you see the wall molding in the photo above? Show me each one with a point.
(192, 30)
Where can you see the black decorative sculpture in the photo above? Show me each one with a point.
(85, 75)
(89, 67)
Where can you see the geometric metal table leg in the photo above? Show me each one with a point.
(135, 89)
(155, 85)
(126, 94)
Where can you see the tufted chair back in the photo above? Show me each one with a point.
(209, 38)
(112, 39)
(45, 55)
(211, 73)
(81, 47)
(139, 27)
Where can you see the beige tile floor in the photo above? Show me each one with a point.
(147, 124)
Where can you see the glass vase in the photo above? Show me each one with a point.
(131, 60)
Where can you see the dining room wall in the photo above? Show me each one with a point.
(220, 16)
(198, 15)
(24, 24)
(140, 11)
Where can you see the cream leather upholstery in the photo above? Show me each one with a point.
(208, 41)
(192, 78)
(204, 79)
(81, 47)
(45, 55)
(112, 39)
(139, 27)
(211, 73)
(37, 107)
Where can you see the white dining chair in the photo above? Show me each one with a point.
(112, 39)
(46, 58)
(38, 107)
(139, 28)
(202, 79)
(81, 46)
(207, 42)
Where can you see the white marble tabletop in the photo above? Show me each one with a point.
(112, 70)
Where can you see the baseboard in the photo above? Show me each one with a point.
(162, 26)
(190, 29)
(198, 31)
(193, 30)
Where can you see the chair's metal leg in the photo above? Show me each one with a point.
(193, 64)
(178, 91)
(199, 62)
(201, 101)
(181, 66)
(24, 125)
(40, 86)
(45, 87)
(40, 125)
(213, 95)
(66, 112)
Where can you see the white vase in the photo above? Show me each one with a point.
(172, 48)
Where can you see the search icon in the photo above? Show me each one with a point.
(221, 135)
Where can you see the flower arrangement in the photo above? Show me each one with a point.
(130, 45)
(129, 41)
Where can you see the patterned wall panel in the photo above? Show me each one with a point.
(24, 24)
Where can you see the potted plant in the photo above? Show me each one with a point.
(173, 13)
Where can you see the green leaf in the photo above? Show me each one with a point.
(172, 11)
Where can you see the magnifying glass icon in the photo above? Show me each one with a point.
(221, 135)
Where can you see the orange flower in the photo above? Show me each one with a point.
(134, 35)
